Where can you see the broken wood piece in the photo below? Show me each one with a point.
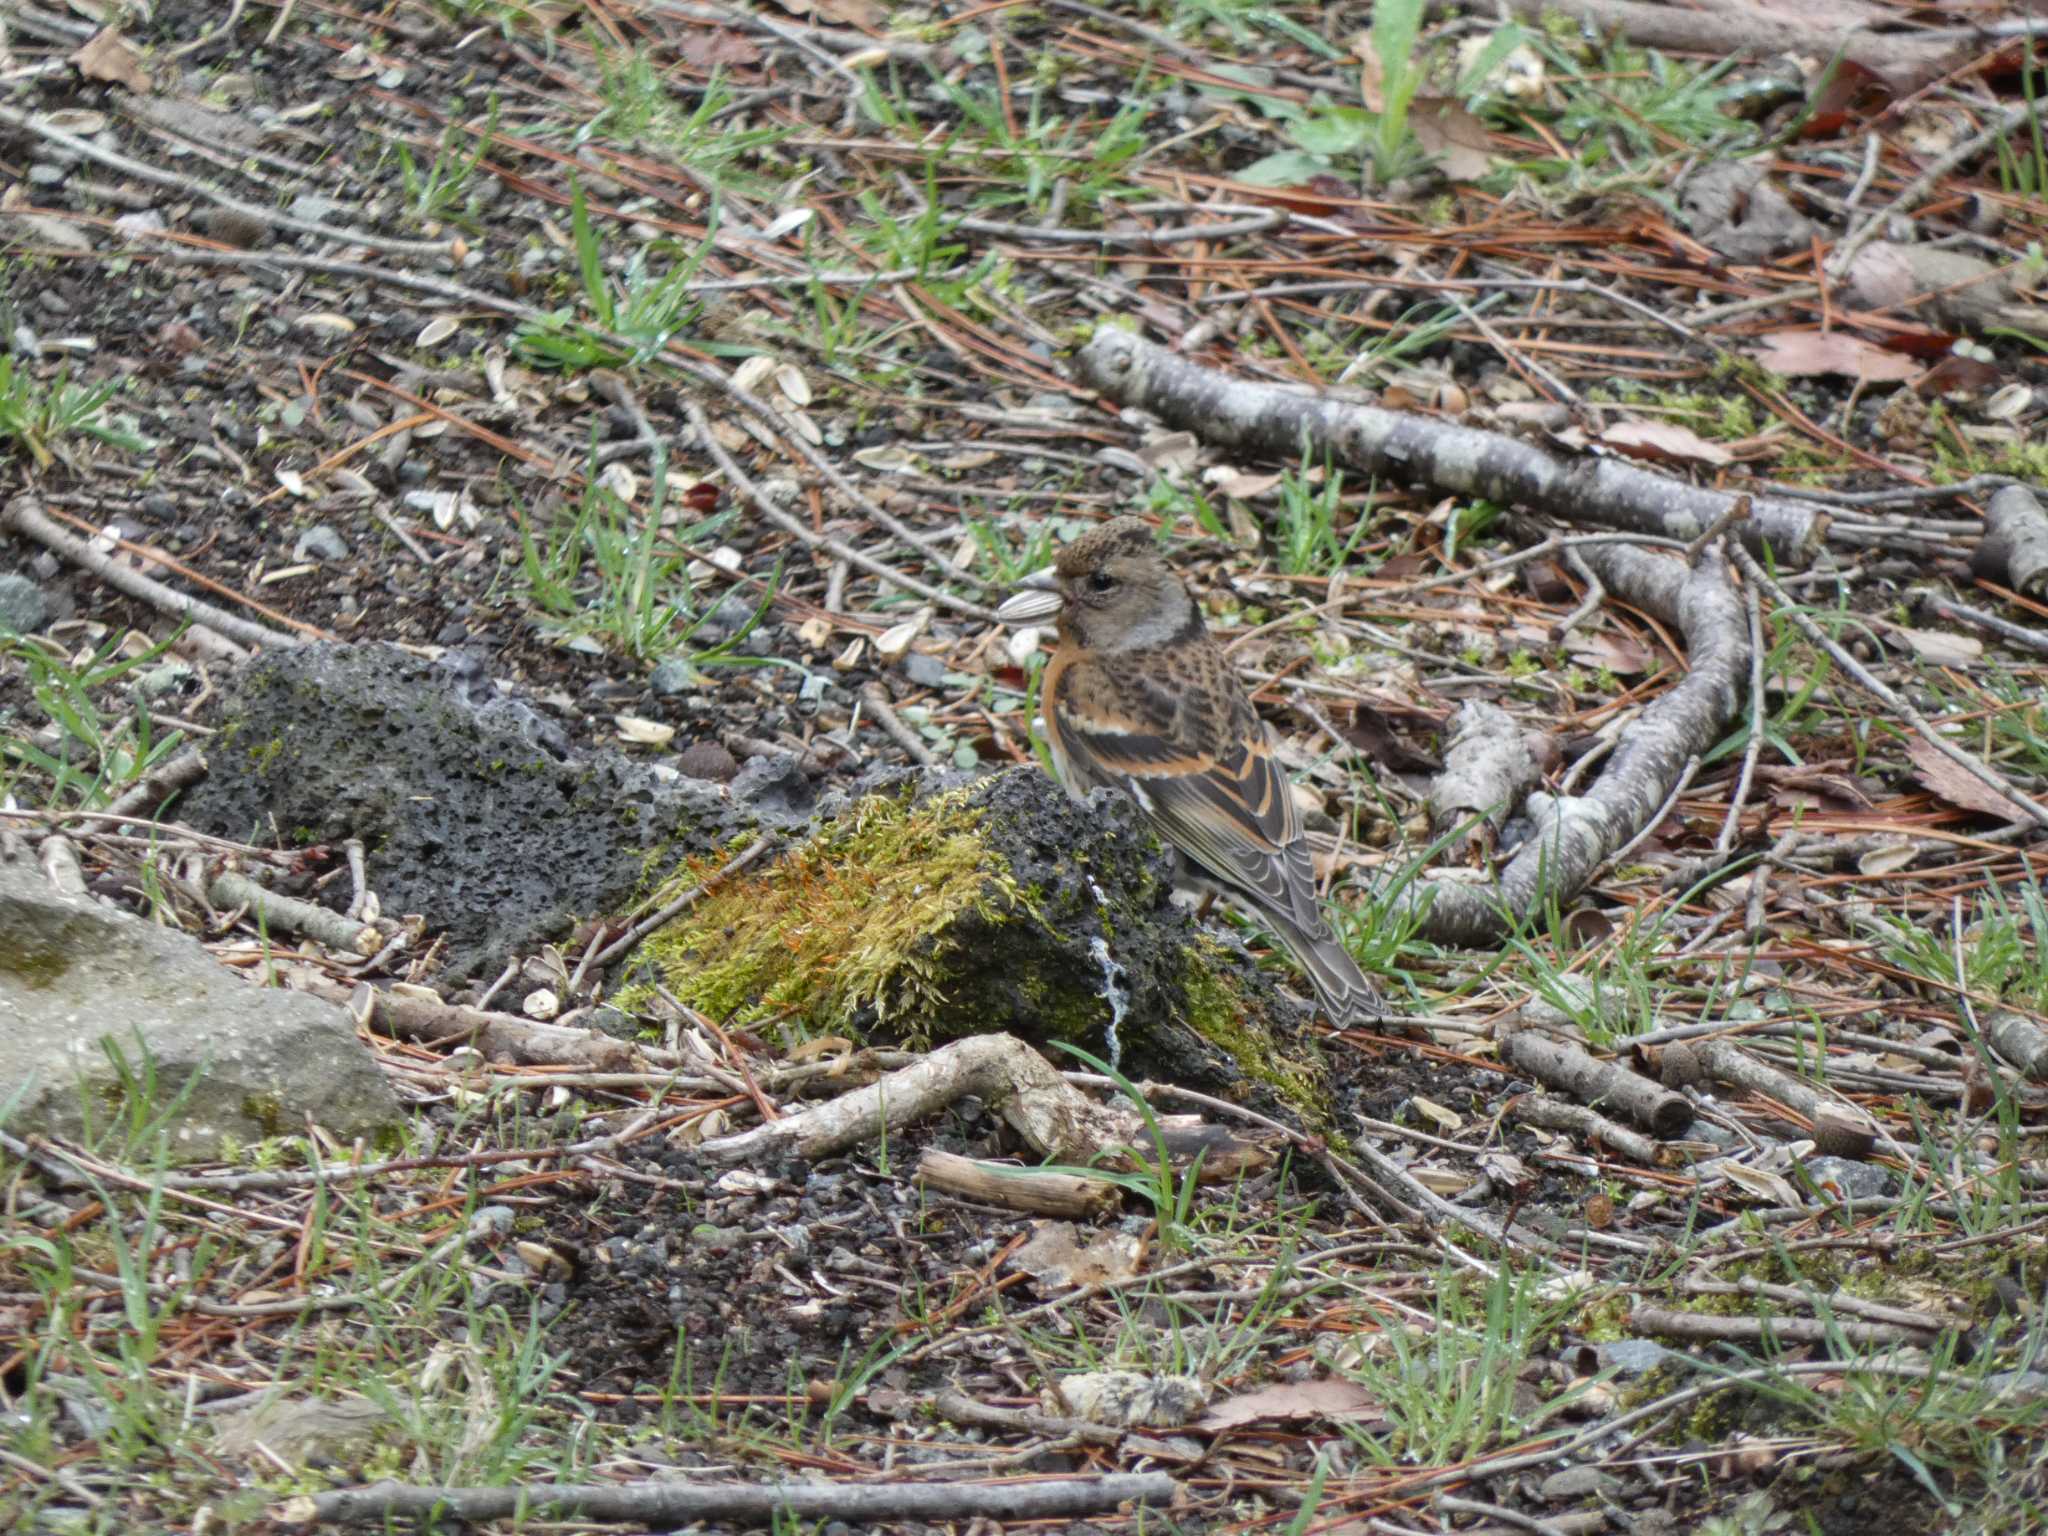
(1488, 769)
(288, 914)
(405, 1015)
(1570, 1067)
(664, 1504)
(2014, 549)
(1441, 456)
(1589, 1124)
(1055, 1119)
(2020, 1041)
(1039, 1191)
(1839, 1129)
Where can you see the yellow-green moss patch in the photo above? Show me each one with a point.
(848, 926)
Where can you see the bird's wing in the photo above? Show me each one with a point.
(1209, 783)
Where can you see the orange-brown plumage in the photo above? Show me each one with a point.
(1139, 698)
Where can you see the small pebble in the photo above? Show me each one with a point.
(321, 543)
(23, 608)
(708, 760)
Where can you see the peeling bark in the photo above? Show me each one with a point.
(1439, 455)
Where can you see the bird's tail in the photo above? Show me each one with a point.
(1347, 997)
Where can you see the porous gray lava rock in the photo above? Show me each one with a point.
(228, 1058)
(472, 811)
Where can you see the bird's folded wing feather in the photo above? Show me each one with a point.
(1230, 809)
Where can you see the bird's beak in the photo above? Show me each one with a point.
(1036, 599)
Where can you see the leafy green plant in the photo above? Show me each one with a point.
(1305, 534)
(1451, 1383)
(602, 575)
(36, 416)
(98, 751)
(439, 191)
(1343, 140)
(1169, 1191)
(634, 322)
(642, 105)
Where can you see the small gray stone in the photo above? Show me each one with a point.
(169, 678)
(674, 676)
(238, 1060)
(726, 618)
(41, 174)
(23, 608)
(1635, 1357)
(1856, 1181)
(925, 671)
(708, 760)
(492, 1221)
(775, 789)
(1577, 1483)
(321, 543)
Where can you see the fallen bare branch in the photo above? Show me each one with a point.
(667, 1505)
(1422, 451)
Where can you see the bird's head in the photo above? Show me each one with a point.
(1111, 588)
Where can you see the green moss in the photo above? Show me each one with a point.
(846, 928)
(1219, 1013)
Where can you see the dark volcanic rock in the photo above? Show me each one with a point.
(470, 809)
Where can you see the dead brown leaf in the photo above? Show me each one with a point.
(715, 48)
(107, 56)
(1803, 354)
(1665, 441)
(1333, 1399)
(1956, 784)
(1456, 138)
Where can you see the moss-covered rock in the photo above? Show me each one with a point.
(936, 909)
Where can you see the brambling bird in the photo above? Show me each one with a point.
(1137, 696)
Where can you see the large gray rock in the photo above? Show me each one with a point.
(249, 1061)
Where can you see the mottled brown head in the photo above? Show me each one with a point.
(1119, 593)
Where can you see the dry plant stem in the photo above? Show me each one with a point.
(1013, 1079)
(1752, 610)
(959, 1408)
(71, 1169)
(1035, 1190)
(2005, 629)
(1735, 30)
(1836, 1301)
(1514, 1519)
(26, 122)
(288, 914)
(835, 547)
(1576, 834)
(745, 858)
(668, 1505)
(1280, 420)
(1593, 1127)
(159, 784)
(895, 727)
(1566, 1065)
(1754, 572)
(25, 518)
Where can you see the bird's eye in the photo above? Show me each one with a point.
(1101, 581)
